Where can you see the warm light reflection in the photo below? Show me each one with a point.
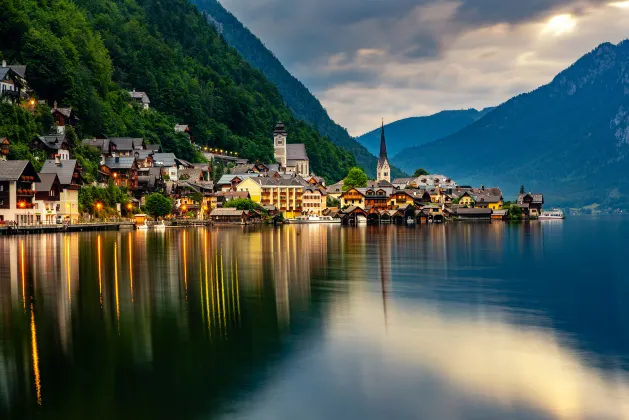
(68, 273)
(620, 4)
(22, 266)
(35, 354)
(100, 271)
(185, 265)
(116, 284)
(131, 267)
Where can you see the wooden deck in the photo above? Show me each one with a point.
(78, 227)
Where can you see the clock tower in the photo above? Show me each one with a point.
(383, 172)
(280, 136)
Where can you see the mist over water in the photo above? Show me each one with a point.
(455, 321)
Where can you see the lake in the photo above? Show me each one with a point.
(454, 321)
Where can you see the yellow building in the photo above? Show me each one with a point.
(353, 197)
(314, 201)
(284, 193)
(488, 198)
(466, 199)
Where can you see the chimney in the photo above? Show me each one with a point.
(482, 187)
(458, 188)
(54, 105)
(4, 63)
(58, 160)
(133, 90)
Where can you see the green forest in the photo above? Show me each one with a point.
(88, 54)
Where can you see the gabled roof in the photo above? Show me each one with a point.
(18, 69)
(66, 112)
(153, 147)
(296, 152)
(11, 170)
(537, 198)
(52, 142)
(279, 128)
(65, 170)
(228, 212)
(127, 143)
(164, 159)
(142, 96)
(180, 128)
(46, 181)
(5, 70)
(142, 154)
(100, 144)
(229, 195)
(119, 162)
(228, 178)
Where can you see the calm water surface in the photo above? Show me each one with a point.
(319, 322)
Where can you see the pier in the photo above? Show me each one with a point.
(76, 227)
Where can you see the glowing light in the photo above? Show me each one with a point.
(129, 206)
(22, 204)
(99, 206)
(620, 4)
(185, 265)
(23, 274)
(35, 356)
(100, 274)
(131, 267)
(116, 284)
(115, 175)
(560, 24)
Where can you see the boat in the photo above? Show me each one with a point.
(142, 226)
(314, 219)
(160, 225)
(554, 214)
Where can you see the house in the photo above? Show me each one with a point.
(250, 168)
(314, 201)
(465, 199)
(17, 191)
(155, 148)
(336, 190)
(12, 82)
(5, 148)
(291, 157)
(230, 182)
(353, 197)
(150, 181)
(63, 117)
(407, 197)
(140, 98)
(167, 162)
(474, 214)
(401, 183)
(126, 146)
(376, 198)
(47, 198)
(185, 129)
(70, 177)
(105, 147)
(531, 203)
(284, 193)
(223, 197)
(488, 198)
(122, 171)
(229, 215)
(144, 158)
(433, 181)
(56, 145)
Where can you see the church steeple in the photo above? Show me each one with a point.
(383, 171)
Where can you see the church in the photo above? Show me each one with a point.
(383, 171)
(291, 157)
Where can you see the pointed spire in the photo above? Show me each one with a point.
(383, 145)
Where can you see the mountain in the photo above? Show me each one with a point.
(416, 131)
(568, 139)
(89, 53)
(298, 98)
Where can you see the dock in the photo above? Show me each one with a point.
(76, 227)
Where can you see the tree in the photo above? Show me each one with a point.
(196, 196)
(158, 205)
(242, 204)
(356, 178)
(333, 202)
(522, 190)
(420, 172)
(515, 213)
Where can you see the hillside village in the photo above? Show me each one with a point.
(285, 189)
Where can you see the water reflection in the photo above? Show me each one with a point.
(451, 321)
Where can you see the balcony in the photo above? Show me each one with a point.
(25, 193)
(11, 93)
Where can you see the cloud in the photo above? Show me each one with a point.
(398, 58)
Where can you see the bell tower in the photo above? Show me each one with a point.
(383, 172)
(280, 136)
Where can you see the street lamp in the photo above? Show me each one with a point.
(99, 206)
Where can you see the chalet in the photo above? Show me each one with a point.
(465, 199)
(5, 148)
(314, 200)
(12, 82)
(168, 164)
(223, 197)
(353, 197)
(408, 196)
(185, 129)
(531, 204)
(401, 183)
(488, 198)
(63, 117)
(17, 191)
(123, 171)
(54, 146)
(70, 177)
(103, 145)
(150, 181)
(140, 98)
(376, 198)
(126, 146)
(433, 181)
(250, 168)
(155, 148)
(144, 158)
(336, 190)
(47, 198)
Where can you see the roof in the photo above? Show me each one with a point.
(279, 128)
(46, 181)
(11, 170)
(473, 211)
(119, 162)
(402, 181)
(5, 70)
(142, 96)
(52, 142)
(379, 184)
(127, 143)
(142, 154)
(537, 198)
(101, 144)
(164, 159)
(383, 148)
(228, 178)
(279, 182)
(296, 152)
(232, 194)
(226, 211)
(18, 69)
(65, 170)
(66, 112)
(153, 147)
(180, 128)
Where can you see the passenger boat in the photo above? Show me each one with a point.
(554, 214)
(314, 219)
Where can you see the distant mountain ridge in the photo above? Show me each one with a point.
(568, 139)
(415, 131)
(304, 105)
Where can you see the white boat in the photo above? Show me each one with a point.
(361, 220)
(314, 219)
(160, 225)
(554, 214)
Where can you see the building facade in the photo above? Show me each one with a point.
(17, 191)
(383, 171)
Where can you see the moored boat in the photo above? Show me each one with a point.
(314, 219)
(554, 214)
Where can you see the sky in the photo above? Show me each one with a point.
(372, 59)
